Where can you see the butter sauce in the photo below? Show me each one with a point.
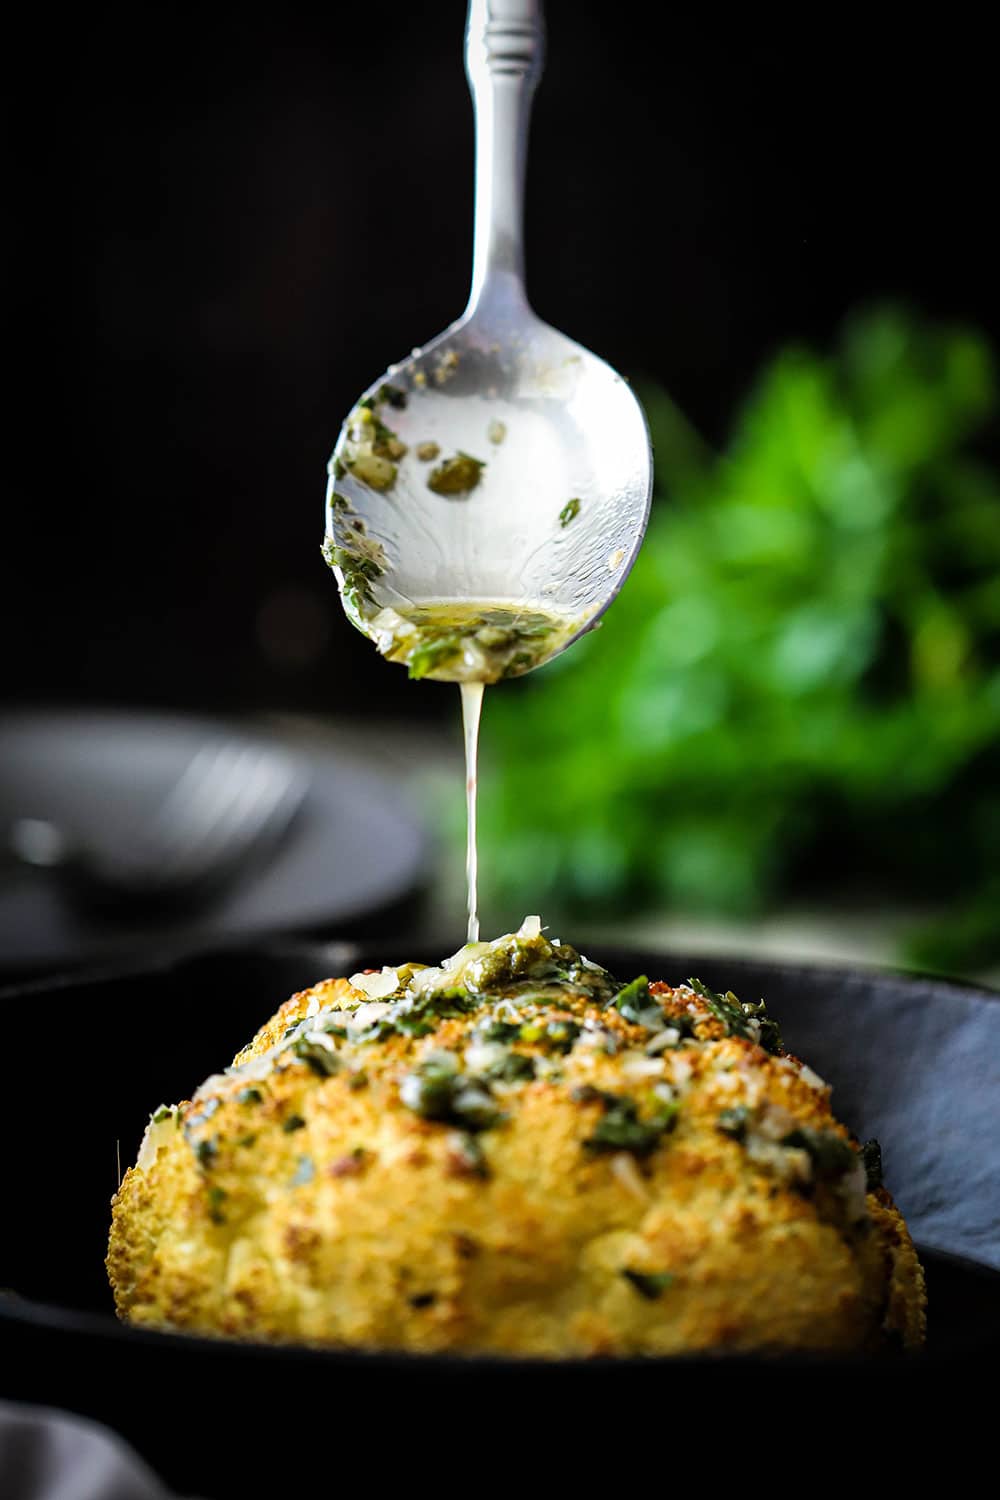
(472, 707)
(473, 644)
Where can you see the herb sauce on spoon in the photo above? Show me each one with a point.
(488, 494)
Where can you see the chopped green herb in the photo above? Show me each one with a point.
(456, 476)
(498, 1031)
(871, 1155)
(514, 1067)
(620, 1129)
(634, 1003)
(206, 1151)
(561, 1034)
(249, 1096)
(247, 1140)
(359, 565)
(831, 1156)
(494, 637)
(558, 1035)
(474, 1107)
(164, 1112)
(770, 1031)
(649, 1284)
(423, 1299)
(433, 654)
(569, 512)
(736, 1016)
(430, 1088)
(315, 1055)
(394, 395)
(734, 1122)
(294, 1122)
(386, 443)
(438, 1091)
(726, 1008)
(358, 1080)
(216, 1198)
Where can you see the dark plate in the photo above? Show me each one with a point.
(915, 1062)
(355, 848)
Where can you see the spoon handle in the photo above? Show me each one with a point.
(504, 49)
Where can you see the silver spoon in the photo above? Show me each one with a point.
(502, 461)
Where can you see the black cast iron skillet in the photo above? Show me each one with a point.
(915, 1062)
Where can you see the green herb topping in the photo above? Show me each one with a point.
(749, 1021)
(359, 570)
(513, 1067)
(634, 1003)
(498, 1031)
(433, 654)
(831, 1156)
(321, 1058)
(294, 1122)
(437, 1090)
(734, 1122)
(871, 1155)
(456, 476)
(206, 1151)
(620, 1128)
(649, 1284)
(569, 512)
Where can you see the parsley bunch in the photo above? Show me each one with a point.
(799, 688)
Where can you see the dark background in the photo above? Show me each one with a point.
(220, 228)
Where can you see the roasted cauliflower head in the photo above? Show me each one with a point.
(515, 1153)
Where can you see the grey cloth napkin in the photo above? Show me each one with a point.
(54, 1455)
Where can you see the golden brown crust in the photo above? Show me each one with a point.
(297, 1206)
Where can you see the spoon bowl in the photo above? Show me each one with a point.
(502, 462)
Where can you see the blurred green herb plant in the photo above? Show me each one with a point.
(798, 690)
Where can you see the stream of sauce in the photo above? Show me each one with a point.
(472, 644)
(472, 707)
(468, 642)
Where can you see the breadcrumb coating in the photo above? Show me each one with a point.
(535, 1162)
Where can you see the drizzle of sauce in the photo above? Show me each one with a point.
(472, 707)
(471, 643)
